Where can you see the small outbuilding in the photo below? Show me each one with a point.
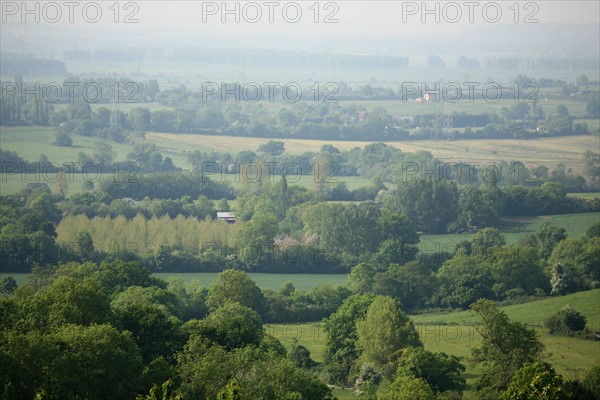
(228, 217)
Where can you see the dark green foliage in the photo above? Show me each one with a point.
(7, 285)
(300, 355)
(272, 147)
(112, 331)
(159, 370)
(583, 255)
(291, 306)
(546, 238)
(518, 269)
(383, 333)
(206, 371)
(232, 326)
(463, 281)
(486, 240)
(506, 346)
(232, 286)
(407, 387)
(270, 343)
(430, 205)
(341, 336)
(441, 371)
(536, 381)
(74, 360)
(147, 158)
(165, 186)
(230, 392)
(413, 284)
(591, 381)
(153, 327)
(357, 230)
(163, 392)
(566, 321)
(594, 230)
(63, 138)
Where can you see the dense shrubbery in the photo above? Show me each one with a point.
(567, 321)
(166, 186)
(110, 330)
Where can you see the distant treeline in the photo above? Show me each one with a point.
(23, 64)
(541, 63)
(292, 59)
(243, 57)
(323, 113)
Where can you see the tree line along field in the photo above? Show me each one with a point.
(30, 142)
(302, 282)
(513, 229)
(516, 228)
(548, 151)
(455, 334)
(566, 150)
(168, 232)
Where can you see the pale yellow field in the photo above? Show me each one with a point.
(567, 150)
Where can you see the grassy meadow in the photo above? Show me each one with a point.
(514, 229)
(302, 282)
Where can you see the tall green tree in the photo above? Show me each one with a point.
(536, 381)
(486, 240)
(406, 387)
(341, 336)
(103, 154)
(233, 325)
(255, 238)
(73, 361)
(441, 371)
(97, 362)
(233, 286)
(462, 281)
(506, 346)
(430, 204)
(384, 331)
(152, 325)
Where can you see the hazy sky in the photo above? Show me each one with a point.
(171, 23)
(347, 15)
(368, 16)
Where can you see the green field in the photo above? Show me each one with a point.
(453, 333)
(514, 229)
(303, 282)
(12, 183)
(30, 142)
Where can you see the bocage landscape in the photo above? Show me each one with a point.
(299, 200)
